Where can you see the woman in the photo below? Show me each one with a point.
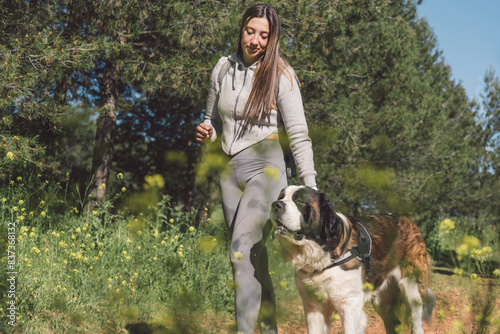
(253, 95)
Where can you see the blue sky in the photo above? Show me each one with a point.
(468, 33)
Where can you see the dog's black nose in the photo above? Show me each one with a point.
(279, 205)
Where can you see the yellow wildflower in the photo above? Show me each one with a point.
(471, 241)
(10, 155)
(154, 181)
(272, 172)
(447, 226)
(474, 276)
(481, 254)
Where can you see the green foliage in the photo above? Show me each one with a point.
(471, 245)
(85, 266)
(106, 269)
(36, 62)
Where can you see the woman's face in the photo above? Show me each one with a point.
(254, 39)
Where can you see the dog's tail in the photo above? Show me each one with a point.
(428, 306)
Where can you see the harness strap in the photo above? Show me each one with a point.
(362, 252)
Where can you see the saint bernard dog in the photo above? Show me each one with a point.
(335, 256)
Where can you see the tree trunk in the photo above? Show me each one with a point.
(105, 134)
(191, 172)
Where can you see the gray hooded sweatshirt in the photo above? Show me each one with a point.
(225, 112)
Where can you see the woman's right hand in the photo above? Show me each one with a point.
(204, 132)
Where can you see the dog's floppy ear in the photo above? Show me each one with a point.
(330, 230)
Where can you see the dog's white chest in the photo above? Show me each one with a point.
(333, 284)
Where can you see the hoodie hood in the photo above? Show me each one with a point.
(236, 61)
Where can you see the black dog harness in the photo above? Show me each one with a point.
(361, 252)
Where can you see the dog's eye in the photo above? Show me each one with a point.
(301, 204)
(299, 201)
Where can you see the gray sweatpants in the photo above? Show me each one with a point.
(252, 181)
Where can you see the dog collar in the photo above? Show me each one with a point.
(362, 252)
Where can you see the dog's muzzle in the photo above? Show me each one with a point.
(277, 210)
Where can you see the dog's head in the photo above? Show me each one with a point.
(302, 212)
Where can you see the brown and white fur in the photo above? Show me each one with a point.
(313, 235)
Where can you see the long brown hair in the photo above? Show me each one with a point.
(263, 94)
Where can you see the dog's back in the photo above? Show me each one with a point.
(400, 267)
(396, 242)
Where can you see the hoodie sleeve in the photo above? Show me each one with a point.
(212, 113)
(294, 120)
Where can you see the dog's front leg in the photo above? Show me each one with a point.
(317, 321)
(354, 320)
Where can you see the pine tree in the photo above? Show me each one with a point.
(36, 62)
(394, 132)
